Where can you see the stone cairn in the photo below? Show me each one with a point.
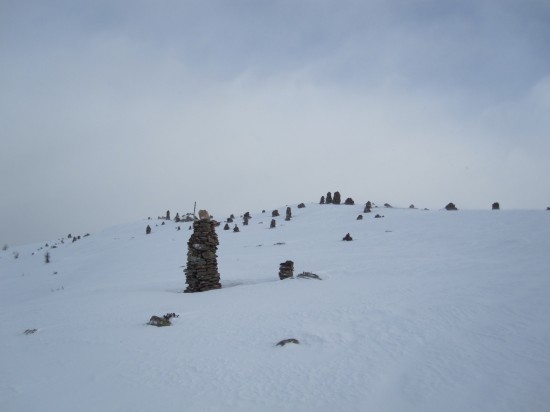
(273, 224)
(451, 206)
(226, 227)
(322, 201)
(349, 201)
(368, 207)
(328, 199)
(336, 199)
(288, 214)
(495, 206)
(245, 220)
(301, 206)
(347, 238)
(360, 217)
(202, 265)
(286, 270)
(275, 213)
(236, 229)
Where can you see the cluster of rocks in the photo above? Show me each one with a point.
(335, 200)
(202, 265)
(163, 320)
(286, 270)
(308, 275)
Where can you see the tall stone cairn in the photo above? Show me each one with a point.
(202, 265)
(288, 213)
(286, 270)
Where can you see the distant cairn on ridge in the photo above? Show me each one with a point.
(495, 206)
(451, 206)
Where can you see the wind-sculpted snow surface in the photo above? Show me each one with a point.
(423, 311)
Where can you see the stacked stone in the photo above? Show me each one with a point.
(368, 207)
(349, 201)
(286, 270)
(273, 224)
(202, 266)
(288, 213)
(301, 206)
(245, 220)
(495, 206)
(275, 213)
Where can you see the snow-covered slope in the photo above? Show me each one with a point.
(422, 311)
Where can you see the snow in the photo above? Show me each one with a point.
(422, 311)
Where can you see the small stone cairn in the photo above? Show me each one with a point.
(202, 265)
(336, 199)
(368, 207)
(349, 201)
(360, 217)
(451, 206)
(495, 206)
(286, 270)
(301, 206)
(273, 224)
(275, 213)
(236, 229)
(328, 199)
(322, 201)
(288, 214)
(347, 238)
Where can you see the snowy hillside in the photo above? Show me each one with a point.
(422, 311)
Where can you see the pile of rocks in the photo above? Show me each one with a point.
(286, 270)
(495, 206)
(368, 207)
(275, 213)
(202, 265)
(273, 224)
(347, 238)
(288, 214)
(301, 206)
(451, 206)
(349, 201)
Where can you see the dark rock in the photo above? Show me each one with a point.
(286, 270)
(273, 223)
(247, 215)
(495, 206)
(30, 331)
(412, 207)
(147, 231)
(226, 227)
(285, 341)
(360, 217)
(236, 229)
(451, 206)
(275, 213)
(158, 321)
(347, 238)
(322, 201)
(328, 199)
(288, 213)
(301, 206)
(229, 220)
(245, 220)
(387, 205)
(336, 199)
(349, 201)
(378, 216)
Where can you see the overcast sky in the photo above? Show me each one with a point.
(112, 111)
